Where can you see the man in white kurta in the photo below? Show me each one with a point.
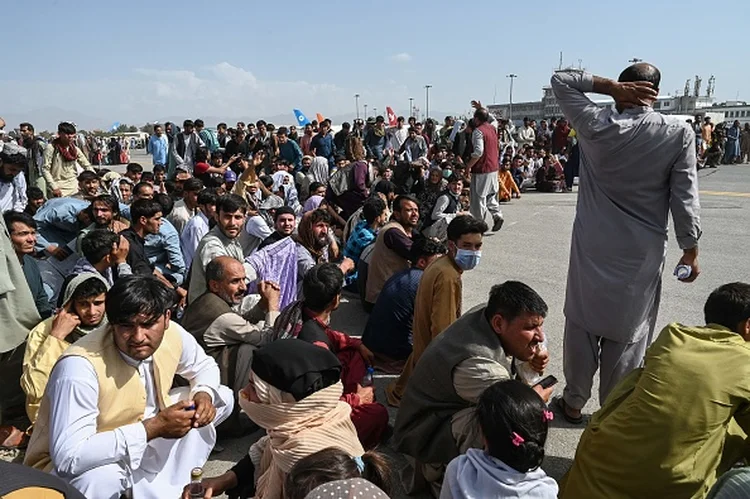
(636, 166)
(153, 455)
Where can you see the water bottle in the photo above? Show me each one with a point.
(368, 378)
(525, 372)
(683, 272)
(196, 484)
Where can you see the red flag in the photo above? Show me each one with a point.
(320, 117)
(392, 120)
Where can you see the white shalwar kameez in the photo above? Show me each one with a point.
(105, 465)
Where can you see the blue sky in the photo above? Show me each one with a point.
(141, 61)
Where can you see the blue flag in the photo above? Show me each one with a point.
(114, 126)
(301, 118)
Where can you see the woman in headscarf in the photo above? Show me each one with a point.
(293, 394)
(122, 190)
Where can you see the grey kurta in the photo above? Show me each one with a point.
(635, 167)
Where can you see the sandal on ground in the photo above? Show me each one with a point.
(562, 406)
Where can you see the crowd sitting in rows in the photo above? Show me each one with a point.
(171, 307)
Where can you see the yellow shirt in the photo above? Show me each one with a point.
(42, 351)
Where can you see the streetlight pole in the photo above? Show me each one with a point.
(374, 111)
(512, 77)
(365, 112)
(411, 107)
(427, 101)
(356, 103)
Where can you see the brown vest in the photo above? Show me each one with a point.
(122, 397)
(489, 161)
(384, 263)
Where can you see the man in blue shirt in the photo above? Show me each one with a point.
(322, 144)
(389, 329)
(289, 150)
(158, 146)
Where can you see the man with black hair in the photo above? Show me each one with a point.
(289, 150)
(158, 146)
(340, 139)
(437, 420)
(199, 225)
(620, 232)
(61, 161)
(104, 252)
(146, 219)
(669, 416)
(35, 146)
(484, 165)
(322, 290)
(22, 229)
(187, 207)
(185, 145)
(447, 207)
(143, 190)
(437, 303)
(285, 223)
(134, 172)
(13, 160)
(163, 248)
(388, 332)
(392, 246)
(105, 214)
(89, 186)
(108, 422)
(322, 143)
(36, 200)
(207, 136)
(80, 312)
(222, 240)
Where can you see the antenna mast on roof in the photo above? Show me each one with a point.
(559, 67)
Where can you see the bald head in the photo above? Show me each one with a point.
(226, 277)
(641, 71)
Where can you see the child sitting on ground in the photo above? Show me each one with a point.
(514, 423)
(332, 464)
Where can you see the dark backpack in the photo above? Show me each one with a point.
(341, 180)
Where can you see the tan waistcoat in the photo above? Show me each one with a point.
(384, 263)
(122, 397)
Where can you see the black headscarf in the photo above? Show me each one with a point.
(296, 367)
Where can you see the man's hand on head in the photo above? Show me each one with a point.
(634, 94)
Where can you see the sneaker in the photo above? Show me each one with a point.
(498, 223)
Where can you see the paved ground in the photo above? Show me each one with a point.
(534, 247)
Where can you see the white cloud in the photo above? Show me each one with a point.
(400, 57)
(221, 91)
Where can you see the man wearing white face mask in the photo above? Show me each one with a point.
(438, 301)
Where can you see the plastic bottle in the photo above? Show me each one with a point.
(682, 272)
(196, 483)
(367, 380)
(528, 374)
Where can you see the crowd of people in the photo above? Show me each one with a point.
(148, 314)
(722, 143)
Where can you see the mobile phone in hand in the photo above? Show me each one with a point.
(547, 382)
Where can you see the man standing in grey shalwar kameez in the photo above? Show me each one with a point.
(636, 165)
